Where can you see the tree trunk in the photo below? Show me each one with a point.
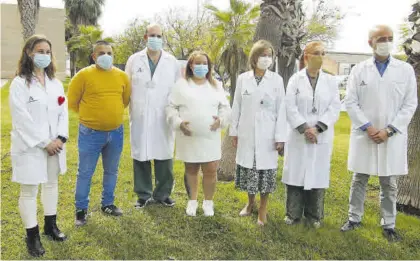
(408, 197)
(72, 63)
(28, 10)
(227, 167)
(286, 71)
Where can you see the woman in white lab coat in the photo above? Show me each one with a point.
(198, 110)
(313, 107)
(259, 128)
(39, 130)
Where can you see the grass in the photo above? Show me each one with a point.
(164, 233)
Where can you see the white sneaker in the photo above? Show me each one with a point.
(208, 208)
(192, 208)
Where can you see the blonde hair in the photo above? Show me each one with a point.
(309, 48)
(257, 49)
(189, 72)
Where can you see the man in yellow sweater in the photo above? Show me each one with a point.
(99, 93)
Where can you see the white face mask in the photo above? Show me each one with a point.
(264, 62)
(383, 49)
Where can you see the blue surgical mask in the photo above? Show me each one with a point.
(200, 70)
(154, 43)
(105, 61)
(42, 61)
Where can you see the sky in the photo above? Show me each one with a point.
(361, 15)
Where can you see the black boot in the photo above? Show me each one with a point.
(51, 229)
(33, 242)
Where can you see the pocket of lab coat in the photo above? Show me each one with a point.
(398, 88)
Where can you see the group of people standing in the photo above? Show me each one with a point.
(166, 105)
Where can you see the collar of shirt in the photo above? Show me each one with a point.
(381, 66)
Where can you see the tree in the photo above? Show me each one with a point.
(28, 10)
(130, 41)
(80, 12)
(234, 31)
(323, 23)
(82, 44)
(282, 23)
(408, 197)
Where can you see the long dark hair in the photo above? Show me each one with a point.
(189, 72)
(26, 64)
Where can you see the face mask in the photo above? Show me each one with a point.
(264, 63)
(315, 62)
(154, 43)
(42, 61)
(104, 61)
(383, 49)
(201, 70)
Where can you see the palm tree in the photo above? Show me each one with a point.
(28, 10)
(80, 12)
(82, 44)
(408, 197)
(234, 30)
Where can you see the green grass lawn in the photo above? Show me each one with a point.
(167, 233)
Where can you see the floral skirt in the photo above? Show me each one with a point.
(254, 181)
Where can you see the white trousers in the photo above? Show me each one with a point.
(49, 195)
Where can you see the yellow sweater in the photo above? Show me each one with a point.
(99, 97)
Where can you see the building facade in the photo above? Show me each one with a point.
(50, 23)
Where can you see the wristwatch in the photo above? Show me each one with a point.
(63, 139)
(319, 129)
(390, 132)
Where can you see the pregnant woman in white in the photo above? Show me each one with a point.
(198, 110)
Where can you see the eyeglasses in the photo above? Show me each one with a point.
(155, 35)
(385, 39)
(318, 53)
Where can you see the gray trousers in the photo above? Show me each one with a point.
(388, 198)
(307, 203)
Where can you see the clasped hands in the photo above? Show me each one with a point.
(54, 147)
(213, 127)
(378, 136)
(311, 135)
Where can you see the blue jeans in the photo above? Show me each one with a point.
(91, 144)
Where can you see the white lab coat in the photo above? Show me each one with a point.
(197, 104)
(151, 135)
(390, 99)
(259, 120)
(308, 165)
(36, 118)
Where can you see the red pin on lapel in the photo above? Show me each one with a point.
(61, 100)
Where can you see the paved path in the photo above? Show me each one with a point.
(3, 82)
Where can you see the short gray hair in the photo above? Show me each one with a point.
(374, 30)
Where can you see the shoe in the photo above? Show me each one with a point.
(141, 203)
(51, 229)
(316, 224)
(112, 210)
(33, 242)
(244, 212)
(168, 202)
(350, 225)
(391, 235)
(81, 217)
(192, 208)
(208, 208)
(290, 222)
